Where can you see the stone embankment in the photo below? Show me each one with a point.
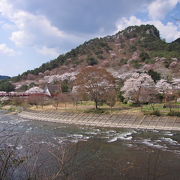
(101, 120)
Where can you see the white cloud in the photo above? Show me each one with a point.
(50, 52)
(9, 27)
(158, 9)
(28, 24)
(4, 49)
(34, 30)
(168, 31)
(21, 38)
(125, 22)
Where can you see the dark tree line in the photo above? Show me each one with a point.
(6, 86)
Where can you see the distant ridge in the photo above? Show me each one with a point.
(4, 77)
(177, 40)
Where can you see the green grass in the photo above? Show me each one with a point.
(166, 54)
(86, 103)
(129, 108)
(158, 109)
(96, 111)
(174, 113)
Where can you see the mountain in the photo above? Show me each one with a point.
(4, 77)
(177, 40)
(137, 48)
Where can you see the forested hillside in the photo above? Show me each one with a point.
(135, 46)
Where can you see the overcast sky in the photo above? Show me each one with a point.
(35, 31)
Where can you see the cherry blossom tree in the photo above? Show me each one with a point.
(140, 88)
(169, 89)
(165, 88)
(94, 83)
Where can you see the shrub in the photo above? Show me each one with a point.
(122, 61)
(23, 88)
(133, 48)
(12, 109)
(32, 85)
(132, 104)
(92, 61)
(174, 113)
(156, 113)
(136, 64)
(154, 75)
(96, 111)
(123, 46)
(160, 97)
(149, 61)
(100, 56)
(120, 96)
(144, 56)
(99, 52)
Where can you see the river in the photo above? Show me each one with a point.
(89, 153)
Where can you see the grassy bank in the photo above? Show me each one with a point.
(12, 108)
(161, 109)
(89, 107)
(119, 108)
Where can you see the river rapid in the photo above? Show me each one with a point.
(94, 153)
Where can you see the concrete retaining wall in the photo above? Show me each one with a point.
(100, 120)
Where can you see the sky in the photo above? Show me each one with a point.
(33, 32)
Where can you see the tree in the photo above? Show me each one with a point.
(23, 88)
(111, 98)
(95, 83)
(6, 86)
(154, 75)
(75, 98)
(66, 86)
(36, 99)
(164, 88)
(140, 88)
(61, 98)
(92, 61)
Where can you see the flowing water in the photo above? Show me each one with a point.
(100, 153)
